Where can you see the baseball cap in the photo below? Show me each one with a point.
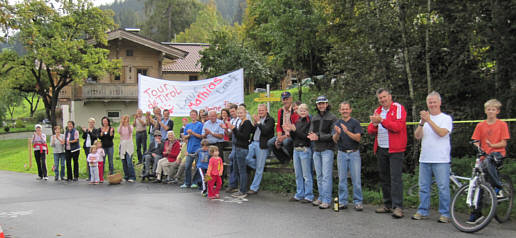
(321, 99)
(285, 95)
(157, 133)
(37, 125)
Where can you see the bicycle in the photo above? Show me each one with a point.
(454, 184)
(479, 200)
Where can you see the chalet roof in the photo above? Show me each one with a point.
(189, 64)
(168, 50)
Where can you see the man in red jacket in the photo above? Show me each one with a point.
(388, 125)
(281, 144)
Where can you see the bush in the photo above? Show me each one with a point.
(39, 116)
(19, 124)
(7, 128)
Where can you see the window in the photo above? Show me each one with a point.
(117, 77)
(92, 79)
(192, 78)
(129, 52)
(113, 114)
(141, 71)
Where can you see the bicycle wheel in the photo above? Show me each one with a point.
(504, 206)
(460, 211)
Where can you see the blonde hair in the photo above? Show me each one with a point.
(171, 132)
(91, 119)
(93, 148)
(302, 106)
(204, 142)
(493, 103)
(124, 117)
(212, 149)
(97, 142)
(245, 112)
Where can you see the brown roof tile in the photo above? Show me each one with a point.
(189, 63)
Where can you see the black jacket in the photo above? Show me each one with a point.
(299, 136)
(94, 134)
(158, 150)
(322, 126)
(266, 131)
(243, 134)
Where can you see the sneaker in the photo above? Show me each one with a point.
(474, 219)
(397, 213)
(184, 186)
(292, 199)
(324, 206)
(231, 190)
(130, 180)
(306, 201)
(499, 193)
(251, 192)
(358, 207)
(419, 216)
(45, 178)
(443, 219)
(173, 181)
(316, 202)
(343, 206)
(383, 210)
(239, 195)
(194, 186)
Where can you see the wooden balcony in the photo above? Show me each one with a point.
(110, 92)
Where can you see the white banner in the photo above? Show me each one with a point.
(180, 97)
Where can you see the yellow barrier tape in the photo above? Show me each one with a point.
(454, 122)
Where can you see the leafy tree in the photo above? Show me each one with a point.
(166, 18)
(208, 20)
(227, 53)
(60, 43)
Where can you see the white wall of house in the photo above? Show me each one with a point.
(85, 110)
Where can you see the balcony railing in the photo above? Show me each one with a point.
(110, 91)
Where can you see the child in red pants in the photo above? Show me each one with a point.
(214, 173)
(101, 154)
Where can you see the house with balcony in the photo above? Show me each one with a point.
(117, 95)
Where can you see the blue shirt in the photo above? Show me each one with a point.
(194, 143)
(215, 128)
(203, 158)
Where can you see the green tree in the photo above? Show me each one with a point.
(227, 53)
(62, 45)
(166, 18)
(208, 20)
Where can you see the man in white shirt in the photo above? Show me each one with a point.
(434, 132)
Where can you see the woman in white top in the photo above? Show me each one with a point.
(39, 144)
(127, 148)
(58, 144)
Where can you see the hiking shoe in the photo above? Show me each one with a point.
(292, 199)
(231, 190)
(419, 216)
(251, 192)
(239, 195)
(316, 202)
(359, 207)
(397, 213)
(342, 207)
(184, 186)
(383, 210)
(474, 219)
(324, 206)
(443, 219)
(194, 186)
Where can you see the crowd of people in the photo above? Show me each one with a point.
(309, 140)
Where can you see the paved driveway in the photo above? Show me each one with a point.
(31, 208)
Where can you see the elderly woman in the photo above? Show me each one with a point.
(39, 144)
(170, 152)
(127, 148)
(90, 135)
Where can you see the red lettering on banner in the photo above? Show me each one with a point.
(203, 95)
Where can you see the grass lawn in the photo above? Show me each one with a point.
(14, 156)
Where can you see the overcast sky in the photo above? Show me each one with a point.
(102, 2)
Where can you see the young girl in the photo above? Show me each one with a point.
(101, 154)
(93, 160)
(203, 156)
(58, 143)
(214, 173)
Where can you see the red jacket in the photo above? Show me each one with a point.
(395, 123)
(174, 151)
(293, 119)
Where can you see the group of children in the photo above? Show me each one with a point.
(95, 160)
(210, 168)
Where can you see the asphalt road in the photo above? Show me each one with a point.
(31, 208)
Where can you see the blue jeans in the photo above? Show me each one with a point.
(353, 162)
(127, 164)
(109, 154)
(233, 174)
(286, 148)
(303, 171)
(258, 164)
(59, 162)
(141, 144)
(323, 162)
(188, 169)
(441, 172)
(240, 166)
